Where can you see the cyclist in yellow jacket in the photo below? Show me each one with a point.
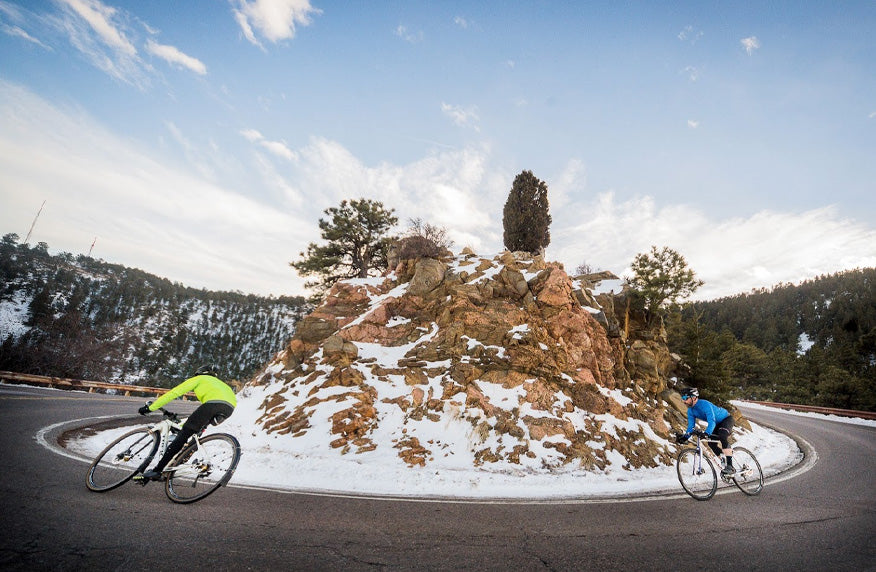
(217, 404)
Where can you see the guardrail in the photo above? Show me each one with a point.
(815, 409)
(84, 385)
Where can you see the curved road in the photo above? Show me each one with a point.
(823, 518)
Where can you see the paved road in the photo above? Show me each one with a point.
(822, 519)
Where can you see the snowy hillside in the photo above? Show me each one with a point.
(87, 319)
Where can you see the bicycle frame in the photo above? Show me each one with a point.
(167, 429)
(702, 448)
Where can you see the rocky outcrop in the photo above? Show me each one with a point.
(496, 362)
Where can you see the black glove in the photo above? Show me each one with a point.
(681, 438)
(144, 410)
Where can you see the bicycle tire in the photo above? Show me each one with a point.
(121, 460)
(748, 476)
(199, 471)
(697, 474)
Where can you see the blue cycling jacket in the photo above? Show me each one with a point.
(705, 411)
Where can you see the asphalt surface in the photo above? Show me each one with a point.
(823, 518)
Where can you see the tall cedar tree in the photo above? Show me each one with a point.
(525, 218)
(357, 244)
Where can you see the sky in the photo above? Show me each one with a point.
(202, 142)
(282, 464)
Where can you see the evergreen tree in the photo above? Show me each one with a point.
(662, 277)
(356, 244)
(526, 218)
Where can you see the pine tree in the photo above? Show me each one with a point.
(357, 244)
(526, 218)
(662, 277)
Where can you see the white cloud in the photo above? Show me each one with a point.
(731, 256)
(165, 221)
(17, 32)
(193, 154)
(248, 33)
(274, 20)
(411, 37)
(461, 22)
(278, 148)
(689, 34)
(101, 19)
(571, 180)
(693, 123)
(181, 225)
(99, 32)
(451, 188)
(462, 116)
(750, 44)
(173, 56)
(693, 74)
(251, 135)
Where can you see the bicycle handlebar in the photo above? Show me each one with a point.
(168, 414)
(696, 433)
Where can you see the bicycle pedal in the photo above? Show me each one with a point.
(140, 480)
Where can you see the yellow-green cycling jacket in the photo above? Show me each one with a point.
(206, 388)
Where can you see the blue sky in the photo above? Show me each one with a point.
(202, 141)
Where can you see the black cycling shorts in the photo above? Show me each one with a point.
(205, 413)
(723, 430)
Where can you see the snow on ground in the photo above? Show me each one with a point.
(13, 315)
(300, 464)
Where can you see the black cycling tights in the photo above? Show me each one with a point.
(722, 433)
(197, 422)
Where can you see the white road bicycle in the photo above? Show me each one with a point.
(698, 468)
(202, 466)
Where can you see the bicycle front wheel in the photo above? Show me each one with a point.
(201, 469)
(748, 476)
(697, 474)
(121, 460)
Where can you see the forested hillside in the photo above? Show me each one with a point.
(812, 343)
(83, 318)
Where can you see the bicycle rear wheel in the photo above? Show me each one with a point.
(748, 476)
(696, 474)
(201, 470)
(121, 460)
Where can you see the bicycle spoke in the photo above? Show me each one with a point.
(748, 476)
(121, 460)
(696, 474)
(202, 469)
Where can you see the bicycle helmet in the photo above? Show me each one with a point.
(689, 392)
(208, 370)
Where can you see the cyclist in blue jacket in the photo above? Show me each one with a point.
(719, 424)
